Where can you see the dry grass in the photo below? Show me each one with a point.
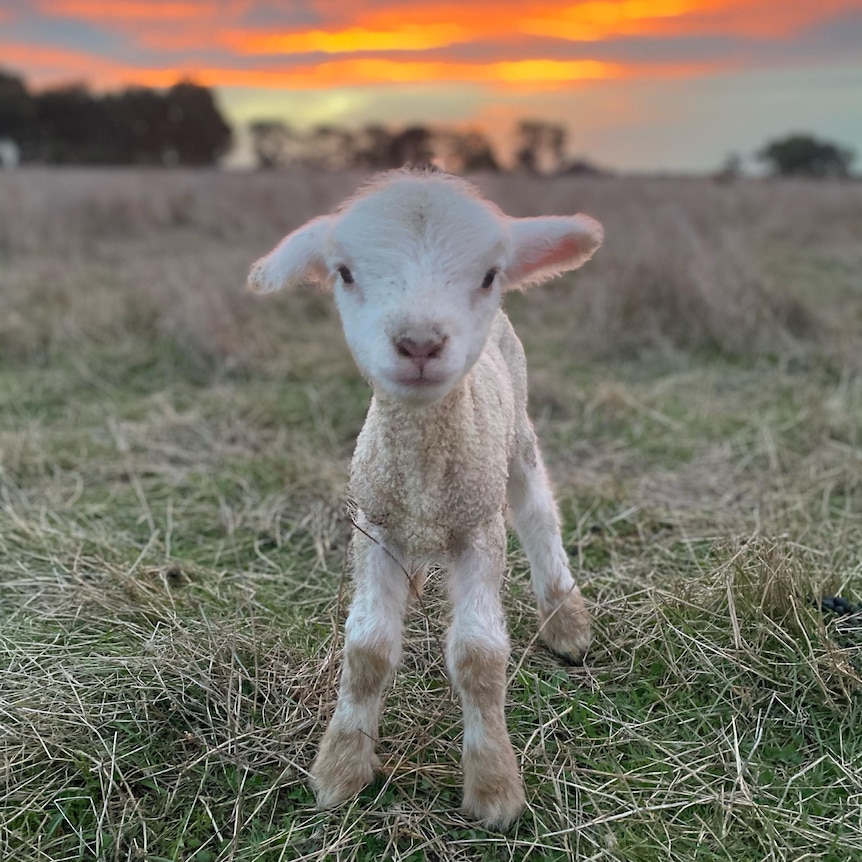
(173, 535)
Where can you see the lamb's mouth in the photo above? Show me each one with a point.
(420, 379)
(419, 386)
(419, 382)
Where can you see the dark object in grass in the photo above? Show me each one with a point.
(848, 628)
(175, 577)
(567, 659)
(839, 605)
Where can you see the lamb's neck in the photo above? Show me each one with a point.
(428, 475)
(402, 414)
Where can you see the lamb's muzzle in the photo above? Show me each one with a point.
(419, 352)
(418, 263)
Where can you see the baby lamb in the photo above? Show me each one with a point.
(418, 263)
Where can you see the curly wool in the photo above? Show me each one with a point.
(432, 475)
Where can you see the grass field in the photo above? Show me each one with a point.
(173, 533)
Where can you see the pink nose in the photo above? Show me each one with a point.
(419, 352)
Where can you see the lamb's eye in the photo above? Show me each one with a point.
(346, 274)
(490, 275)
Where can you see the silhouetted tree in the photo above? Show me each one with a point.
(476, 153)
(324, 148)
(70, 124)
(373, 148)
(541, 147)
(181, 125)
(411, 145)
(73, 127)
(142, 133)
(272, 142)
(196, 132)
(17, 109)
(464, 152)
(329, 148)
(805, 156)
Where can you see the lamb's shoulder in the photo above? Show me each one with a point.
(432, 476)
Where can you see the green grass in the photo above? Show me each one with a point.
(173, 538)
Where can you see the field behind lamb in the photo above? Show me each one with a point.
(173, 532)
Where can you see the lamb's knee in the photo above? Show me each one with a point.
(478, 672)
(477, 669)
(368, 668)
(372, 646)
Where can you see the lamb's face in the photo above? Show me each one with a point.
(417, 263)
(417, 275)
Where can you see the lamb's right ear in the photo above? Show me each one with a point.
(297, 259)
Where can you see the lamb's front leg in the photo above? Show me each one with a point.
(346, 761)
(476, 652)
(565, 623)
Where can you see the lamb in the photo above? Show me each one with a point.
(418, 263)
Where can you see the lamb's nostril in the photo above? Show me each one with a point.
(404, 347)
(430, 348)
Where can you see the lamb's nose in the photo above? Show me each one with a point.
(419, 352)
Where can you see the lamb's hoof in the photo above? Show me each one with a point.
(493, 789)
(496, 808)
(344, 765)
(565, 627)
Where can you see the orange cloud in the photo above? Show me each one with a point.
(531, 75)
(430, 25)
(752, 18)
(539, 74)
(168, 35)
(601, 19)
(605, 19)
(405, 38)
(50, 66)
(551, 72)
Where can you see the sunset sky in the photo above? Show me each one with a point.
(666, 84)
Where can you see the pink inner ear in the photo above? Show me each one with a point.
(555, 254)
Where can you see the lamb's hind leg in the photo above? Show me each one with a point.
(346, 761)
(564, 622)
(476, 652)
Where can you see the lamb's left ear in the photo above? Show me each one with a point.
(545, 247)
(297, 259)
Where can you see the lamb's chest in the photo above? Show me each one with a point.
(430, 484)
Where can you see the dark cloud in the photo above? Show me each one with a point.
(60, 32)
(841, 36)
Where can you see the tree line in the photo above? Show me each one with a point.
(540, 148)
(182, 125)
(71, 125)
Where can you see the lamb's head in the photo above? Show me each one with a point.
(418, 263)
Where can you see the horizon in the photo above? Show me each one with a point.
(671, 86)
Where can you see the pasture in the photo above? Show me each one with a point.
(173, 532)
